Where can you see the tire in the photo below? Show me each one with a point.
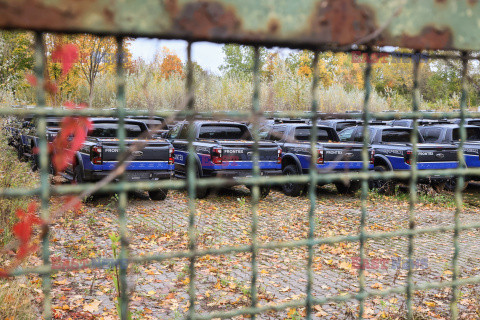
(34, 163)
(77, 175)
(158, 195)
(20, 153)
(200, 193)
(350, 188)
(451, 185)
(383, 186)
(292, 189)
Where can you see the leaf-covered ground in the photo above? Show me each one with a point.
(158, 290)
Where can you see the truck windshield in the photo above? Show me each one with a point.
(157, 123)
(473, 134)
(398, 135)
(323, 135)
(345, 125)
(109, 130)
(224, 132)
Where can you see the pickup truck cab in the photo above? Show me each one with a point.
(450, 134)
(339, 124)
(392, 152)
(99, 154)
(222, 149)
(333, 155)
(156, 125)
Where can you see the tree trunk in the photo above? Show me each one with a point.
(90, 93)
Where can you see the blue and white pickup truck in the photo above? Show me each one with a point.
(450, 134)
(393, 151)
(333, 155)
(223, 149)
(99, 154)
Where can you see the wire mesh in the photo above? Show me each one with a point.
(45, 191)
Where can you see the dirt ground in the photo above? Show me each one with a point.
(158, 289)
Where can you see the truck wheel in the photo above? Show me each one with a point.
(77, 175)
(34, 163)
(451, 185)
(382, 185)
(201, 193)
(20, 153)
(159, 194)
(292, 189)
(351, 188)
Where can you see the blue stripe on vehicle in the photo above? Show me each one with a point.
(472, 161)
(398, 163)
(206, 163)
(133, 166)
(332, 165)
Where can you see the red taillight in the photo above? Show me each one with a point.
(217, 155)
(171, 159)
(408, 157)
(320, 159)
(279, 155)
(96, 155)
(372, 157)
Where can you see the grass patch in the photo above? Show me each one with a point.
(16, 298)
(13, 174)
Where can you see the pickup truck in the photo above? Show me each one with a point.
(222, 149)
(23, 136)
(98, 155)
(392, 152)
(450, 134)
(333, 155)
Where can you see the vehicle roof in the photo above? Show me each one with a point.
(382, 126)
(341, 120)
(222, 122)
(449, 125)
(301, 125)
(114, 120)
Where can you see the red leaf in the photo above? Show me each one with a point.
(65, 54)
(69, 140)
(31, 79)
(23, 229)
(74, 202)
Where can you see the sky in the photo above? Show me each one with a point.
(208, 55)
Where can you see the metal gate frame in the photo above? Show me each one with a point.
(328, 25)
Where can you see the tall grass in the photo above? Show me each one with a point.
(13, 174)
(284, 90)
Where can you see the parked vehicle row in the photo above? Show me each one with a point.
(225, 149)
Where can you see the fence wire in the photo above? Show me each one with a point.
(45, 191)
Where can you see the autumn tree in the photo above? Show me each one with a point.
(16, 57)
(97, 55)
(170, 64)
